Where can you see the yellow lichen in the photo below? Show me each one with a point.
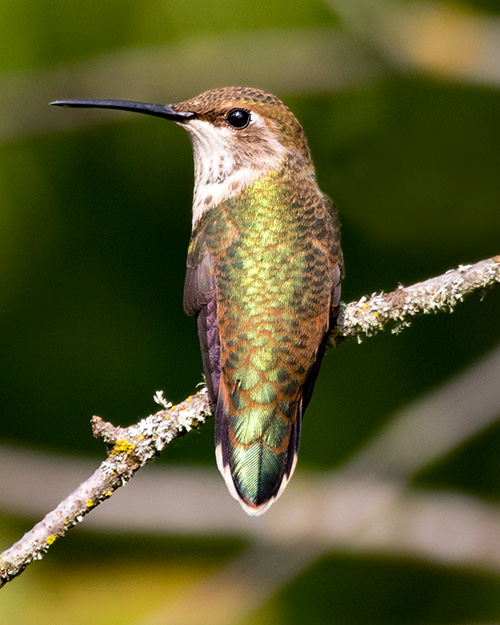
(51, 540)
(122, 447)
(89, 503)
(168, 412)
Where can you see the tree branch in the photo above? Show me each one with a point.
(131, 448)
(441, 294)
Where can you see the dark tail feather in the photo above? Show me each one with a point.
(254, 474)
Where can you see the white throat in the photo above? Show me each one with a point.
(221, 172)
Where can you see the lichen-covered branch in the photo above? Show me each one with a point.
(369, 315)
(132, 447)
(128, 450)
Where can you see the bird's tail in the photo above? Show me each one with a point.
(256, 450)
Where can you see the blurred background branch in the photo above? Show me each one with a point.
(415, 437)
(439, 38)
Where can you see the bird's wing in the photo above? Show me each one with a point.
(200, 298)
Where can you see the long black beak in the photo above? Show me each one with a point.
(158, 110)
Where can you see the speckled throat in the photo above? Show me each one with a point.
(222, 170)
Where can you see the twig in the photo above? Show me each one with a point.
(128, 450)
(441, 294)
(131, 448)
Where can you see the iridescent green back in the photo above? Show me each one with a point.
(276, 258)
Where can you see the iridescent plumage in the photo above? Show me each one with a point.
(263, 277)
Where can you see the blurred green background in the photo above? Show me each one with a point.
(401, 105)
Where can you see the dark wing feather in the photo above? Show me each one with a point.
(336, 261)
(334, 311)
(200, 298)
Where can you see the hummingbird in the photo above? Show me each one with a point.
(263, 276)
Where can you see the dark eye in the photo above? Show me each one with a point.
(238, 118)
